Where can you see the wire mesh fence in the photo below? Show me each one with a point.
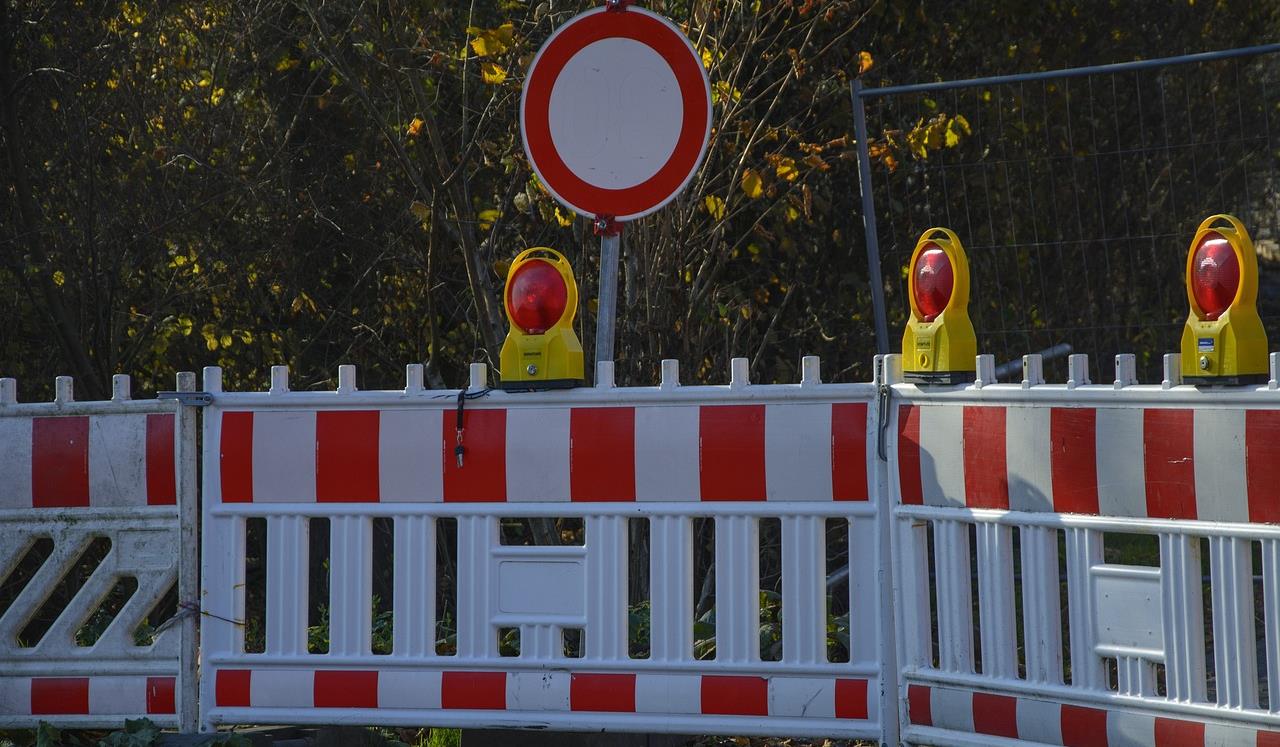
(1076, 194)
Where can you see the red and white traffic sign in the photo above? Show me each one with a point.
(616, 112)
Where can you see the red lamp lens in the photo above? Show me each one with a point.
(1215, 275)
(934, 281)
(536, 297)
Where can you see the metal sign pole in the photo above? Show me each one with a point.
(606, 311)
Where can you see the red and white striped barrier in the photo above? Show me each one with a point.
(98, 461)
(120, 696)
(731, 452)
(1035, 721)
(546, 691)
(1207, 464)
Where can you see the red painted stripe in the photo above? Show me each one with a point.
(1268, 739)
(1262, 464)
(483, 475)
(919, 706)
(851, 699)
(1168, 448)
(231, 688)
(345, 689)
(60, 462)
(996, 715)
(849, 452)
(162, 475)
(160, 695)
(474, 690)
(731, 452)
(912, 492)
(602, 454)
(986, 472)
(1172, 732)
(1073, 459)
(727, 695)
(236, 458)
(59, 696)
(1083, 727)
(615, 693)
(347, 456)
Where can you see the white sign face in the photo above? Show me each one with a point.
(616, 113)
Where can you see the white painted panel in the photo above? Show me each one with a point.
(1122, 487)
(1039, 721)
(408, 689)
(541, 587)
(117, 460)
(942, 455)
(537, 454)
(15, 463)
(668, 693)
(284, 456)
(951, 709)
(803, 697)
(282, 688)
(538, 691)
(409, 467)
(1128, 729)
(15, 695)
(1027, 446)
(117, 695)
(797, 440)
(667, 454)
(1221, 490)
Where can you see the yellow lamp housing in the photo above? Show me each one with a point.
(1223, 342)
(939, 345)
(541, 299)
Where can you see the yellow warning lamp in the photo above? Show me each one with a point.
(939, 345)
(541, 351)
(1223, 342)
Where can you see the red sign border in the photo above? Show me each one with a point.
(670, 43)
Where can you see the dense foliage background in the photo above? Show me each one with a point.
(274, 181)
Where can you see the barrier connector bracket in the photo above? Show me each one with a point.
(190, 399)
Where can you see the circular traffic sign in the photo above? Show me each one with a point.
(616, 113)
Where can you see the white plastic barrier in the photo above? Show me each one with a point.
(666, 455)
(1075, 634)
(75, 479)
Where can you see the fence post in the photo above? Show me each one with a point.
(869, 220)
(186, 457)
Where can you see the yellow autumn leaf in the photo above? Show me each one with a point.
(487, 218)
(564, 217)
(286, 63)
(59, 278)
(490, 42)
(414, 127)
(492, 74)
(421, 211)
(865, 62)
(752, 184)
(715, 206)
(786, 169)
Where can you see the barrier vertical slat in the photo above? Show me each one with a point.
(1234, 654)
(1183, 615)
(186, 458)
(1084, 549)
(955, 595)
(539, 641)
(864, 641)
(995, 600)
(607, 596)
(415, 586)
(1135, 676)
(912, 577)
(804, 598)
(1271, 607)
(288, 549)
(737, 589)
(1041, 604)
(350, 585)
(476, 536)
(671, 588)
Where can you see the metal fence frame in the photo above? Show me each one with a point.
(861, 94)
